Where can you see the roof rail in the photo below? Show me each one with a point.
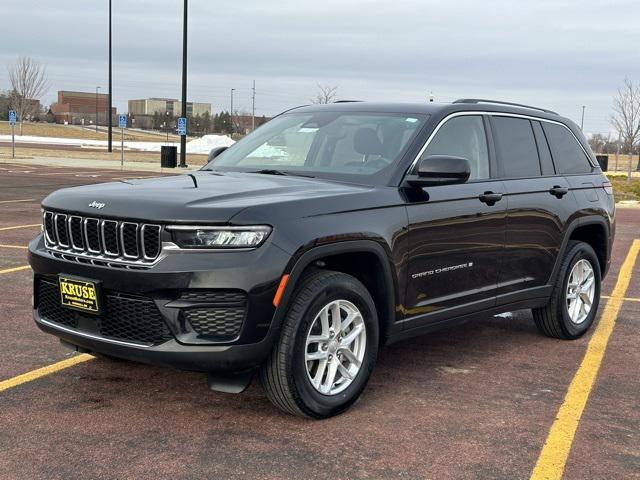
(497, 102)
(347, 101)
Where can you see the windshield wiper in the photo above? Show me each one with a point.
(270, 171)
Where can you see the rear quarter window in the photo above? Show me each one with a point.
(568, 155)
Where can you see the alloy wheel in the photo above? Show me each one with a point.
(581, 289)
(335, 347)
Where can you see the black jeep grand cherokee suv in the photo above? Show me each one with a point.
(325, 234)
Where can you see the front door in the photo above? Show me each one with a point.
(456, 232)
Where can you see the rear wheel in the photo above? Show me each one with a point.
(575, 297)
(327, 348)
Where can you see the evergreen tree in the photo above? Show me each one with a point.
(5, 101)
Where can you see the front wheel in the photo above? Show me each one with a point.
(575, 297)
(327, 348)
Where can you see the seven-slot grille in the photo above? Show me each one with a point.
(106, 241)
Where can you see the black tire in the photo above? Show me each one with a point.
(553, 320)
(284, 376)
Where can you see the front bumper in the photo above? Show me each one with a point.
(196, 358)
(255, 272)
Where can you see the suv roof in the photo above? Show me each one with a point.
(469, 104)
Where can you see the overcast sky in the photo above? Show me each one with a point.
(554, 53)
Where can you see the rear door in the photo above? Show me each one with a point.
(456, 232)
(539, 205)
(573, 164)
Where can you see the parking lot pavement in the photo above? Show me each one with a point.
(477, 401)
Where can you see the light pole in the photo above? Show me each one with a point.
(253, 108)
(183, 138)
(231, 113)
(166, 124)
(582, 120)
(109, 116)
(97, 88)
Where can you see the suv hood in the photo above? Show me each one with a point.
(217, 198)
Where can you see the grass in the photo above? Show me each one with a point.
(81, 155)
(624, 190)
(76, 131)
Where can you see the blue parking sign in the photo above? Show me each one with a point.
(122, 121)
(182, 126)
(13, 117)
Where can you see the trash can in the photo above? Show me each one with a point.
(168, 156)
(603, 160)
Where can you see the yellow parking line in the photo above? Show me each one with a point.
(43, 372)
(626, 299)
(15, 227)
(554, 454)
(13, 246)
(18, 201)
(14, 269)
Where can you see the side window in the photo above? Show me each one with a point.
(516, 146)
(464, 137)
(567, 153)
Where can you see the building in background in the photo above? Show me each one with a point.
(142, 111)
(79, 108)
(243, 123)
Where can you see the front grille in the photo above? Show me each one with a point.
(216, 314)
(110, 237)
(75, 230)
(62, 234)
(101, 241)
(92, 235)
(126, 318)
(129, 239)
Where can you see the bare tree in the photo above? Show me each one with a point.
(326, 94)
(28, 82)
(598, 143)
(626, 115)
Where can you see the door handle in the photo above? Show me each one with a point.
(490, 198)
(558, 191)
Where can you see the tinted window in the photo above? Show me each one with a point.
(463, 137)
(567, 153)
(516, 147)
(543, 150)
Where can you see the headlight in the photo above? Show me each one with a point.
(219, 237)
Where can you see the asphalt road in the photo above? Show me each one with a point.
(475, 402)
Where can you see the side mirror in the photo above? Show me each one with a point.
(215, 152)
(440, 170)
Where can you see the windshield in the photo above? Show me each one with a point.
(348, 145)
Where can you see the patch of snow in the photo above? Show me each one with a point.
(199, 145)
(206, 143)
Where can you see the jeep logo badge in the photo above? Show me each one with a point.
(97, 205)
